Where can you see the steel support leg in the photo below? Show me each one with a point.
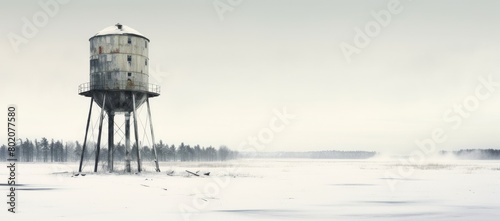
(98, 150)
(153, 136)
(136, 132)
(86, 133)
(111, 134)
(127, 143)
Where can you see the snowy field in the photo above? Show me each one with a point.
(273, 189)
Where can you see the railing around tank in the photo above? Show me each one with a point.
(119, 85)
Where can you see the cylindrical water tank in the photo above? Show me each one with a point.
(119, 60)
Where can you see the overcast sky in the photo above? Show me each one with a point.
(223, 72)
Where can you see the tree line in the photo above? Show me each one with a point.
(474, 154)
(44, 150)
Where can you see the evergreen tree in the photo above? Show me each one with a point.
(51, 147)
(45, 145)
(173, 153)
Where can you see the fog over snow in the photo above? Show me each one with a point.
(289, 189)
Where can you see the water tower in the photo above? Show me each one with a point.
(119, 83)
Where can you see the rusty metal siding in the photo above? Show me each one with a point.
(117, 64)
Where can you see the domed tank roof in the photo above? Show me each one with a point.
(119, 29)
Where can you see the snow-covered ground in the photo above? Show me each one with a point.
(271, 189)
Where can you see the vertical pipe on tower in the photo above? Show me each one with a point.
(127, 143)
(86, 133)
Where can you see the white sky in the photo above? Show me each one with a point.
(221, 79)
